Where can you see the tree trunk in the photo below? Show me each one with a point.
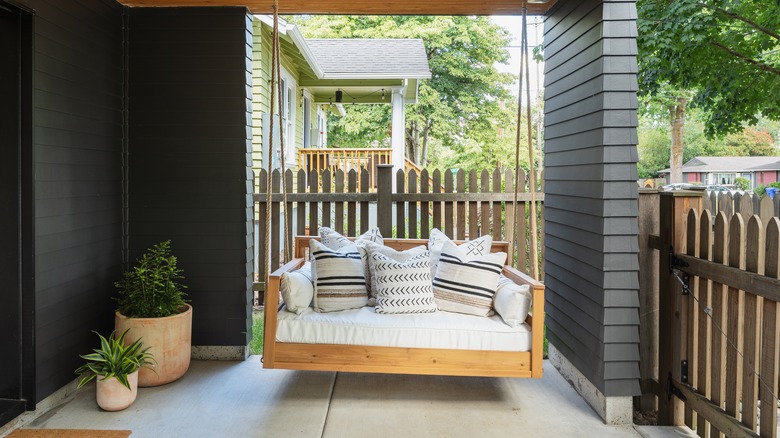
(677, 121)
(412, 135)
(424, 148)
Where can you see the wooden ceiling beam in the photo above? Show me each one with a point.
(364, 7)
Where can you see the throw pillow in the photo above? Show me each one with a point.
(477, 247)
(466, 284)
(403, 287)
(335, 240)
(375, 248)
(512, 301)
(339, 281)
(297, 289)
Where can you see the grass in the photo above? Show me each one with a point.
(256, 344)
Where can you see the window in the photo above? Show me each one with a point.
(306, 122)
(288, 115)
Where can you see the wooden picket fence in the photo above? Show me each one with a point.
(747, 204)
(464, 205)
(719, 335)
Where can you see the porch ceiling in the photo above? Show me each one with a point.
(366, 7)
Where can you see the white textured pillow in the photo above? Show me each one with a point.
(334, 240)
(476, 247)
(375, 248)
(297, 289)
(512, 301)
(403, 287)
(466, 284)
(339, 281)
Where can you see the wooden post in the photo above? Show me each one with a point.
(384, 193)
(648, 296)
(672, 309)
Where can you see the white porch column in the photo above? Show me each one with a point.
(398, 129)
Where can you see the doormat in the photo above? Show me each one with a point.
(69, 433)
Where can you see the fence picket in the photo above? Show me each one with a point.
(364, 205)
(718, 370)
(703, 366)
(734, 317)
(262, 263)
(275, 213)
(338, 209)
(424, 206)
(412, 206)
(449, 214)
(770, 341)
(484, 207)
(692, 330)
(511, 227)
(460, 214)
(300, 210)
(351, 205)
(497, 209)
(473, 226)
(314, 185)
(437, 223)
(753, 263)
(400, 213)
(745, 205)
(326, 188)
(521, 236)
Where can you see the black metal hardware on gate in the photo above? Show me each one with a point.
(684, 371)
(672, 390)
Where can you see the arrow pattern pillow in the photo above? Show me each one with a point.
(399, 256)
(339, 281)
(464, 283)
(477, 247)
(403, 287)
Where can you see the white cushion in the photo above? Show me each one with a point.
(403, 287)
(339, 281)
(297, 289)
(375, 248)
(512, 301)
(464, 283)
(476, 247)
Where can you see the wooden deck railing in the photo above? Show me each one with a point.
(345, 159)
(460, 204)
(718, 326)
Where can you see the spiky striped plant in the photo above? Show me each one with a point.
(114, 359)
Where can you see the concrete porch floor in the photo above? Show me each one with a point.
(240, 399)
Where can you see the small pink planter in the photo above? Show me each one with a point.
(170, 339)
(113, 396)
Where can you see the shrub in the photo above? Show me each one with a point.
(742, 183)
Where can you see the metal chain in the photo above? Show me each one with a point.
(708, 311)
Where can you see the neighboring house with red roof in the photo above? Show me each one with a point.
(724, 170)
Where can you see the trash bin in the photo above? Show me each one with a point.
(771, 192)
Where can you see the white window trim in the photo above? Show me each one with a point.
(289, 93)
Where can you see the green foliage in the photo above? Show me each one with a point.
(256, 344)
(463, 104)
(150, 289)
(760, 190)
(742, 183)
(725, 54)
(114, 359)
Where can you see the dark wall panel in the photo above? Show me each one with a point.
(190, 148)
(77, 138)
(591, 190)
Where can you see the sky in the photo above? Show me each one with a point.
(514, 25)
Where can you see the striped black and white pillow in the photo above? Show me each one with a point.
(403, 286)
(465, 283)
(477, 247)
(339, 280)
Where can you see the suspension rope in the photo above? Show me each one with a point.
(708, 311)
(519, 240)
(278, 67)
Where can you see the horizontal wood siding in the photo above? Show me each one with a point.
(77, 143)
(191, 156)
(261, 88)
(590, 190)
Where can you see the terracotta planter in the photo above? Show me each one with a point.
(170, 339)
(113, 396)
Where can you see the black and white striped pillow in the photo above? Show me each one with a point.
(339, 280)
(464, 283)
(403, 286)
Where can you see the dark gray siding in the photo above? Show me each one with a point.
(190, 156)
(77, 136)
(591, 191)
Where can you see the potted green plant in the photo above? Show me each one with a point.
(115, 366)
(152, 302)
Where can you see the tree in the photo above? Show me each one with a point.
(720, 57)
(726, 52)
(458, 106)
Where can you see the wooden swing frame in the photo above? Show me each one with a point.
(400, 360)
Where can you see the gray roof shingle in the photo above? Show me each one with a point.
(729, 164)
(365, 58)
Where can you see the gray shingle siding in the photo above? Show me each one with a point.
(190, 157)
(591, 195)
